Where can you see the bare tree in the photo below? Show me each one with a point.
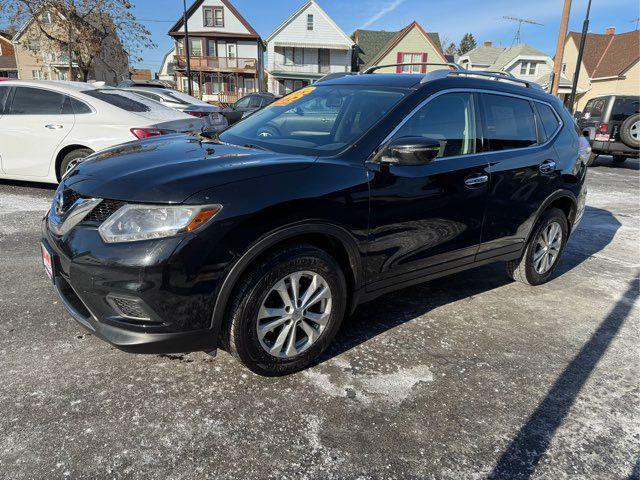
(85, 30)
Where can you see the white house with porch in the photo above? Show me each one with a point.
(305, 47)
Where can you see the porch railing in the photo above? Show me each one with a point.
(239, 64)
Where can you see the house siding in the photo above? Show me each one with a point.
(231, 24)
(628, 85)
(413, 42)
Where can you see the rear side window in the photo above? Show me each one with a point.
(36, 101)
(595, 107)
(255, 102)
(449, 119)
(549, 120)
(79, 108)
(4, 96)
(128, 102)
(508, 123)
(623, 108)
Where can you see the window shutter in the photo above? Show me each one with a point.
(424, 60)
(399, 60)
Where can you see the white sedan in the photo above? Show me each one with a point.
(47, 127)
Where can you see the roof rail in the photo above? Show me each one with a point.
(496, 76)
(453, 66)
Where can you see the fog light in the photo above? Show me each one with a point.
(129, 307)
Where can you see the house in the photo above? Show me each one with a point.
(522, 61)
(225, 51)
(167, 73)
(610, 64)
(305, 47)
(141, 74)
(412, 44)
(8, 66)
(36, 59)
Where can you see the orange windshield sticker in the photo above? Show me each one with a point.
(292, 97)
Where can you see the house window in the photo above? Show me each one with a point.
(528, 68)
(232, 50)
(180, 47)
(288, 55)
(218, 17)
(195, 47)
(211, 48)
(310, 22)
(411, 58)
(36, 74)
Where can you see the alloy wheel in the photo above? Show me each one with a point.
(635, 131)
(294, 314)
(547, 249)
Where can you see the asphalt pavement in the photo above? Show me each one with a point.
(467, 377)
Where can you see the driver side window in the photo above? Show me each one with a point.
(449, 119)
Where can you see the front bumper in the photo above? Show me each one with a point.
(179, 303)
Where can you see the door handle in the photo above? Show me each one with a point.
(54, 127)
(475, 181)
(547, 166)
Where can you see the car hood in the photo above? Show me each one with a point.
(171, 168)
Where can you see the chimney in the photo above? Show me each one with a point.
(610, 31)
(488, 43)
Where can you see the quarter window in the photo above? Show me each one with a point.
(508, 122)
(449, 119)
(4, 95)
(35, 101)
(549, 119)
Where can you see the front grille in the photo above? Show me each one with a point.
(103, 210)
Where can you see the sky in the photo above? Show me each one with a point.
(451, 19)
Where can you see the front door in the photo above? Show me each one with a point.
(32, 127)
(428, 218)
(324, 60)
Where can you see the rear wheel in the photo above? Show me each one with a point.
(619, 159)
(286, 311)
(543, 250)
(71, 159)
(630, 131)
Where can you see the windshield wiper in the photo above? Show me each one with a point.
(256, 147)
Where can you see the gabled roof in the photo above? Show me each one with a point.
(298, 12)
(498, 58)
(609, 55)
(374, 45)
(6, 35)
(194, 7)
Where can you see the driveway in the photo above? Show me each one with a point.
(470, 376)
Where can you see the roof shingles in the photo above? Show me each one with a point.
(609, 55)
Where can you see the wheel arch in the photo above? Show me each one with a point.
(63, 153)
(332, 238)
(564, 200)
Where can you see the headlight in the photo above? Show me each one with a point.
(132, 223)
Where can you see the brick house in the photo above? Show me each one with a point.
(8, 65)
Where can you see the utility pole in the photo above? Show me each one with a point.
(583, 37)
(562, 35)
(186, 47)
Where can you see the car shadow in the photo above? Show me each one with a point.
(596, 231)
(607, 161)
(524, 452)
(33, 185)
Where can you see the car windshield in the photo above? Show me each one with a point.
(318, 121)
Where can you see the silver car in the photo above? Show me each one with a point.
(185, 103)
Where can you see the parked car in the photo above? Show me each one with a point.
(332, 196)
(142, 83)
(612, 124)
(247, 105)
(186, 104)
(47, 127)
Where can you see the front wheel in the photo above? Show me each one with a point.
(543, 250)
(286, 311)
(72, 159)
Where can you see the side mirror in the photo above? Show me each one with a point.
(411, 151)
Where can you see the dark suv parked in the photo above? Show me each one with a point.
(262, 240)
(612, 124)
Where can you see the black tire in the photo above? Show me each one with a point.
(619, 159)
(71, 158)
(240, 337)
(626, 133)
(523, 270)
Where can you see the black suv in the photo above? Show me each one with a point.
(262, 240)
(612, 125)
